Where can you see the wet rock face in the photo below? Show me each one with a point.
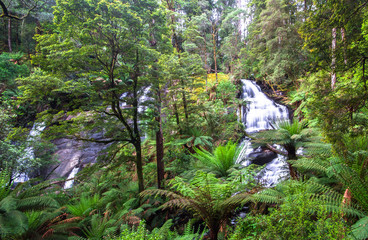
(71, 153)
(262, 156)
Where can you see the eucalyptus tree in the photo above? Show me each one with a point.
(337, 86)
(104, 52)
(274, 44)
(182, 71)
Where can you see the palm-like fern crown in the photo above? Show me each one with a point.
(206, 196)
(14, 204)
(194, 138)
(222, 159)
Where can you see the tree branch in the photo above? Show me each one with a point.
(8, 15)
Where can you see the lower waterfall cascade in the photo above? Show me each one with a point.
(258, 114)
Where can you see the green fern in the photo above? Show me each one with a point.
(84, 206)
(4, 184)
(221, 161)
(360, 229)
(310, 164)
(100, 227)
(206, 196)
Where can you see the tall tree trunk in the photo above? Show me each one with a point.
(137, 136)
(333, 62)
(185, 102)
(344, 43)
(17, 37)
(139, 165)
(214, 49)
(9, 35)
(159, 145)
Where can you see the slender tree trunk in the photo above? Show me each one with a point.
(159, 145)
(344, 43)
(9, 35)
(17, 38)
(137, 136)
(333, 63)
(214, 49)
(185, 103)
(139, 165)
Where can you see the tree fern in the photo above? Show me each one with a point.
(84, 206)
(100, 227)
(221, 160)
(207, 197)
(4, 184)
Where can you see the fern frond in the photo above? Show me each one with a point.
(310, 164)
(351, 179)
(4, 184)
(360, 229)
(270, 196)
(37, 203)
(159, 192)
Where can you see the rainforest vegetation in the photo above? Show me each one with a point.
(157, 84)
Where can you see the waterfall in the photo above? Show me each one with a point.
(29, 151)
(69, 184)
(258, 114)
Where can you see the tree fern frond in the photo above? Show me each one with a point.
(271, 196)
(159, 192)
(37, 203)
(310, 164)
(351, 179)
(4, 184)
(236, 200)
(360, 229)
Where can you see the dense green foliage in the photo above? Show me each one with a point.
(159, 81)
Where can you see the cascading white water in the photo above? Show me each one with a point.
(258, 114)
(29, 151)
(69, 184)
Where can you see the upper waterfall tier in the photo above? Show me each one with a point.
(260, 111)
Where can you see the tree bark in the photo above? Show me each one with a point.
(185, 105)
(159, 145)
(139, 166)
(214, 49)
(291, 156)
(344, 43)
(9, 35)
(333, 62)
(214, 232)
(176, 113)
(137, 136)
